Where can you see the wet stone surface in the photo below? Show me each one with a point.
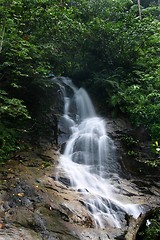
(35, 206)
(28, 208)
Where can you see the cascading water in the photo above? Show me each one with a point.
(89, 159)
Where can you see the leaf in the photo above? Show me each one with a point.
(156, 143)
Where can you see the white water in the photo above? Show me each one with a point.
(89, 159)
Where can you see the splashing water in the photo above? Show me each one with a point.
(89, 159)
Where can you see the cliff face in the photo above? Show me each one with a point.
(35, 206)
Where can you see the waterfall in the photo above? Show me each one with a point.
(89, 159)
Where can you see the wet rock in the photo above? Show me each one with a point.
(35, 206)
(65, 181)
(21, 216)
(28, 209)
(19, 234)
(22, 195)
(100, 234)
(77, 214)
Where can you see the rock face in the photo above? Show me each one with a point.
(29, 201)
(133, 147)
(47, 112)
(35, 206)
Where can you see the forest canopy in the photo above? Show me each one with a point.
(104, 45)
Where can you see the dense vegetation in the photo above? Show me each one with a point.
(105, 45)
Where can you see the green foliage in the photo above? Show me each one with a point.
(23, 65)
(155, 162)
(138, 93)
(103, 44)
(12, 107)
(9, 142)
(125, 67)
(129, 141)
(130, 145)
(132, 153)
(155, 130)
(152, 229)
(156, 148)
(11, 111)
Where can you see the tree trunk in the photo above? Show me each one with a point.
(135, 224)
(139, 9)
(2, 36)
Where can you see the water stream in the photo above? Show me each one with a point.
(89, 159)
